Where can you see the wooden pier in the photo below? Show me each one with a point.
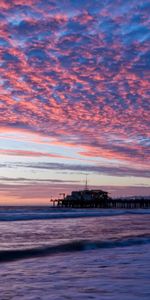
(92, 199)
(129, 203)
(121, 204)
(111, 203)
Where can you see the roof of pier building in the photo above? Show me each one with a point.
(87, 195)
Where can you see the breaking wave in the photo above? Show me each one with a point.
(73, 246)
(21, 215)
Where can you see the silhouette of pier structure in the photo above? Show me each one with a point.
(99, 199)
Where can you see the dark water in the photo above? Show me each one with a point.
(74, 254)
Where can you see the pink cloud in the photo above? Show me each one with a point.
(31, 194)
(76, 77)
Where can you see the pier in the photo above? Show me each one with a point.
(100, 199)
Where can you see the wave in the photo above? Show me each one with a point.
(73, 246)
(29, 216)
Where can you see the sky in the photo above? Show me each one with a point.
(74, 98)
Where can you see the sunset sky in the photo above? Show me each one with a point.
(74, 98)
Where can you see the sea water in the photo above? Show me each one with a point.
(48, 253)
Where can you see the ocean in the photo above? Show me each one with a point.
(56, 254)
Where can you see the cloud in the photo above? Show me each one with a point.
(31, 180)
(28, 153)
(77, 71)
(122, 171)
(42, 193)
